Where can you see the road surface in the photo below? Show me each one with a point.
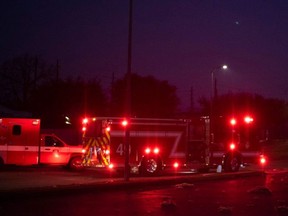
(263, 195)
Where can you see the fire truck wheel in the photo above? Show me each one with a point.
(75, 163)
(232, 163)
(151, 166)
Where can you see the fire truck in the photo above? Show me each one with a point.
(21, 143)
(155, 145)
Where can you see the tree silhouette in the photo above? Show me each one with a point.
(55, 100)
(271, 115)
(149, 97)
(19, 78)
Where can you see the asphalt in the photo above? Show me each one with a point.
(18, 183)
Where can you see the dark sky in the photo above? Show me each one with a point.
(180, 41)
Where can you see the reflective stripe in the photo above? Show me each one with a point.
(19, 148)
(245, 154)
(173, 134)
(100, 142)
(43, 148)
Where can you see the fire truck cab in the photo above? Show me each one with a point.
(22, 144)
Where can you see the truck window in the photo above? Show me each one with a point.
(16, 130)
(53, 142)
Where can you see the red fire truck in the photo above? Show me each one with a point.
(22, 144)
(155, 144)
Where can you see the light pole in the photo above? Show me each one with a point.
(128, 93)
(223, 67)
(213, 91)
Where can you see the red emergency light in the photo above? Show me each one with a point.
(156, 151)
(233, 121)
(263, 160)
(124, 123)
(85, 121)
(248, 119)
(148, 150)
(176, 165)
(108, 129)
(232, 146)
(36, 122)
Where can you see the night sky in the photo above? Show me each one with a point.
(180, 41)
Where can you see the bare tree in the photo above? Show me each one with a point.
(20, 76)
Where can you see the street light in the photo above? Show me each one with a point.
(223, 67)
(213, 91)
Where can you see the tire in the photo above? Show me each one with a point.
(75, 163)
(232, 163)
(151, 166)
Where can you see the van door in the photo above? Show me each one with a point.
(20, 149)
(53, 151)
(20, 137)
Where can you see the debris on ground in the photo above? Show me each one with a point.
(225, 210)
(282, 207)
(184, 185)
(168, 203)
(282, 210)
(261, 190)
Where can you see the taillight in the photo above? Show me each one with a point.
(83, 151)
(107, 152)
(110, 166)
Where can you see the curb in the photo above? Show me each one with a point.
(120, 184)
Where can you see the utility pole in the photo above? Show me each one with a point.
(57, 70)
(192, 99)
(214, 93)
(128, 94)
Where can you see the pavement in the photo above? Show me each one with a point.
(21, 182)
